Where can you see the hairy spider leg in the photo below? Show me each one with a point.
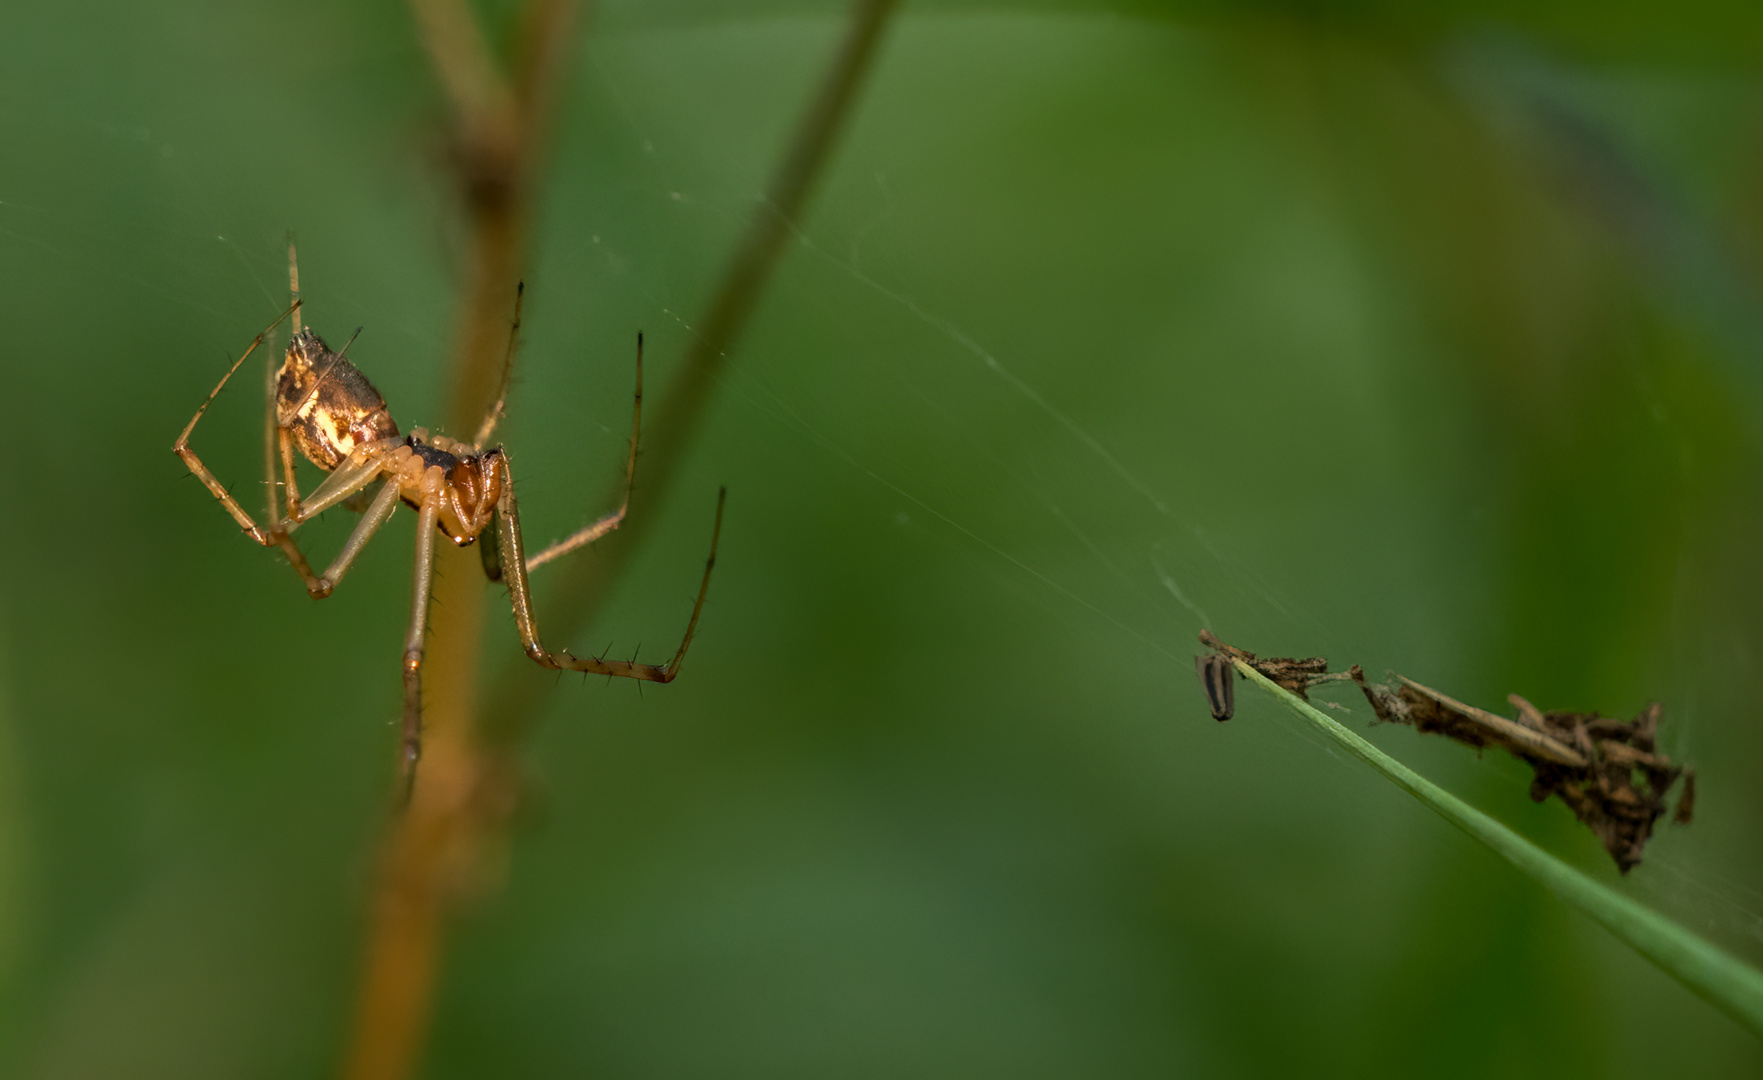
(293, 282)
(379, 511)
(366, 465)
(274, 536)
(182, 447)
(494, 415)
(520, 597)
(421, 585)
(274, 433)
(355, 474)
(285, 439)
(430, 489)
(434, 494)
(282, 415)
(271, 430)
(613, 520)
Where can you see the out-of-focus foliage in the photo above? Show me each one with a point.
(1423, 340)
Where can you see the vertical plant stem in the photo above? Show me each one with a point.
(432, 855)
(1718, 978)
(458, 807)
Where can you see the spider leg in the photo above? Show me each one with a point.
(422, 583)
(274, 536)
(357, 471)
(520, 598)
(378, 513)
(272, 429)
(182, 447)
(271, 432)
(494, 416)
(290, 485)
(613, 520)
(293, 283)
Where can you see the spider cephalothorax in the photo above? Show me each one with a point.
(469, 481)
(331, 414)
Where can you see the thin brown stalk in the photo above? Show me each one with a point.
(432, 853)
(458, 809)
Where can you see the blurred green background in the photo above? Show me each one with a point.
(1429, 342)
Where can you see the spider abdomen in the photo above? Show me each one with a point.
(327, 406)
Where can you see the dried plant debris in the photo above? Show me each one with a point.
(1218, 677)
(1217, 673)
(1608, 771)
(1686, 799)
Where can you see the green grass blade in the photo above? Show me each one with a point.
(1728, 983)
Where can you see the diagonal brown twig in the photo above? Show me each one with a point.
(578, 588)
(460, 803)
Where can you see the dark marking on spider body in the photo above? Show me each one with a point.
(328, 410)
(434, 455)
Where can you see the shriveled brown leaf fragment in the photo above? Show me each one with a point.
(1291, 673)
(1686, 799)
(1609, 771)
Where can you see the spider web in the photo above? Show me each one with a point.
(1146, 588)
(1089, 341)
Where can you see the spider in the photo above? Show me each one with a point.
(323, 406)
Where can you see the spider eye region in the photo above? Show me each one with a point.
(433, 455)
(469, 483)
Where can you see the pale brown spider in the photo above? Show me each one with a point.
(328, 410)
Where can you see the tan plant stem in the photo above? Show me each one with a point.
(458, 809)
(432, 855)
